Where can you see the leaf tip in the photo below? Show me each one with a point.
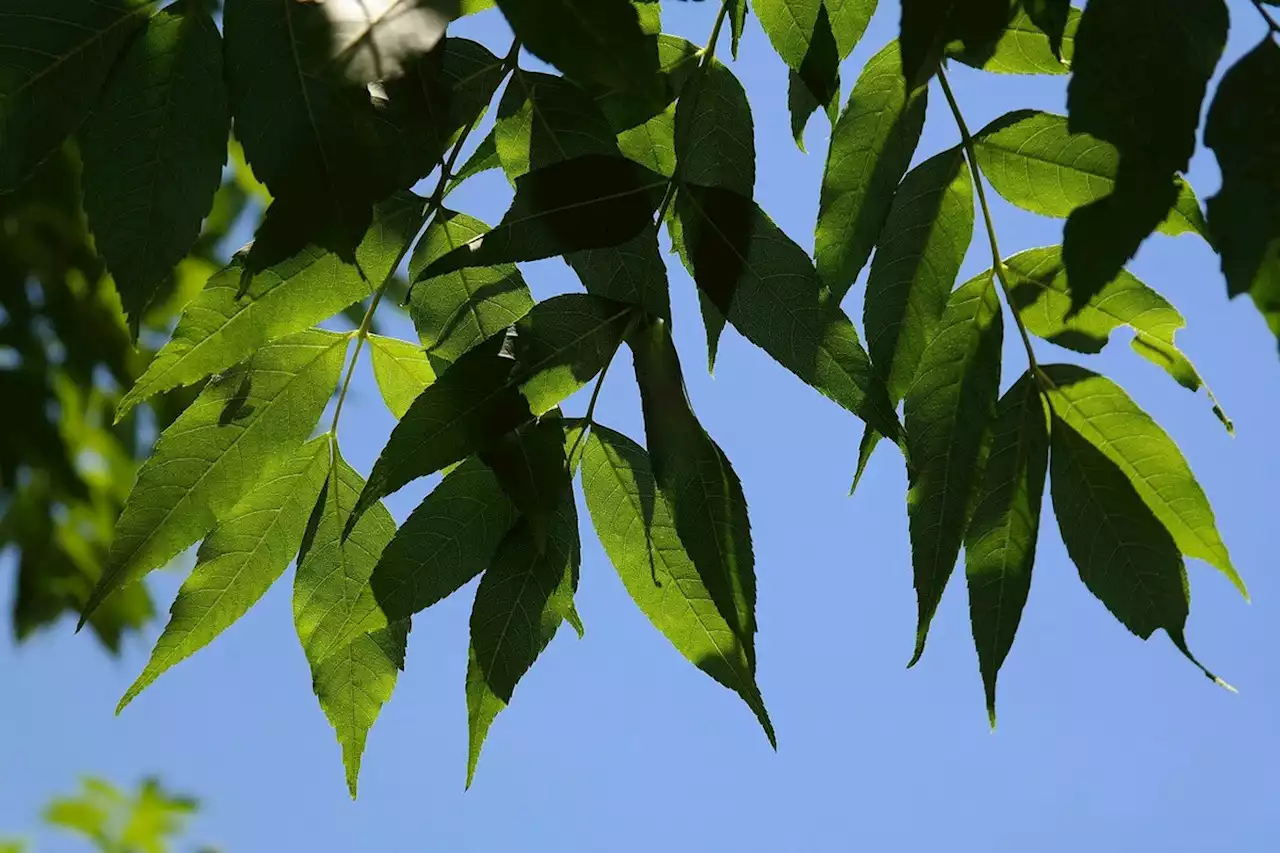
(1224, 685)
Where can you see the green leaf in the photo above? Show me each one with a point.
(816, 84)
(1052, 17)
(521, 601)
(1025, 47)
(1000, 541)
(240, 311)
(1139, 76)
(374, 40)
(591, 41)
(1244, 132)
(714, 135)
(1105, 416)
(871, 146)
(401, 370)
(929, 26)
(1043, 300)
(767, 287)
(634, 117)
(532, 467)
(354, 651)
(849, 20)
(918, 257)
(1035, 163)
(789, 24)
(866, 447)
(636, 525)
(632, 272)
(49, 90)
(948, 412)
(737, 23)
(706, 499)
(456, 311)
(236, 565)
(154, 150)
(1124, 554)
(589, 202)
(484, 158)
(500, 385)
(444, 543)
(215, 451)
(544, 119)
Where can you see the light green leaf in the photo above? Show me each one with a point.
(1000, 541)
(1124, 554)
(1023, 48)
(544, 119)
(444, 543)
(239, 311)
(401, 370)
(918, 256)
(154, 150)
(849, 19)
(767, 287)
(948, 411)
(484, 158)
(215, 451)
(707, 503)
(500, 385)
(1043, 301)
(456, 311)
(1032, 160)
(789, 24)
(471, 7)
(1052, 17)
(1105, 416)
(47, 92)
(636, 526)
(248, 550)
(714, 135)
(871, 146)
(521, 601)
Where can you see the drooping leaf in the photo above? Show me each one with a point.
(928, 27)
(921, 247)
(1025, 46)
(532, 466)
(1244, 132)
(1037, 164)
(871, 146)
(706, 499)
(1000, 540)
(1124, 554)
(444, 543)
(866, 448)
(948, 413)
(154, 150)
(248, 550)
(1138, 79)
(737, 23)
(636, 525)
(632, 272)
(56, 56)
(401, 370)
(591, 41)
(816, 84)
(215, 451)
(766, 286)
(1104, 415)
(589, 202)
(544, 119)
(522, 599)
(714, 134)
(500, 385)
(1043, 301)
(456, 311)
(241, 309)
(376, 40)
(354, 651)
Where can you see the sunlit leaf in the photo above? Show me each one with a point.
(401, 370)
(1025, 46)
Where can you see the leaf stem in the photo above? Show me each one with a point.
(1266, 16)
(997, 263)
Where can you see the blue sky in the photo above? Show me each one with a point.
(616, 743)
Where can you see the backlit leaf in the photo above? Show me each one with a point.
(1024, 46)
(401, 370)
(930, 26)
(544, 119)
(379, 39)
(1052, 17)
(948, 412)
(714, 135)
(789, 25)
(816, 84)
(482, 159)
(632, 272)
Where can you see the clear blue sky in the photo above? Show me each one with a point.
(616, 743)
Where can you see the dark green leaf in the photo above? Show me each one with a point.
(456, 311)
(56, 55)
(532, 467)
(1025, 46)
(248, 550)
(871, 146)
(928, 26)
(500, 385)
(401, 370)
(153, 151)
(714, 136)
(1000, 541)
(522, 599)
(636, 525)
(737, 23)
(1052, 17)
(1244, 131)
(544, 120)
(816, 84)
(590, 202)
(948, 413)
(1139, 76)
(632, 272)
(484, 158)
(444, 543)
(1032, 160)
(215, 451)
(706, 499)
(789, 24)
(866, 447)
(1101, 412)
(924, 240)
